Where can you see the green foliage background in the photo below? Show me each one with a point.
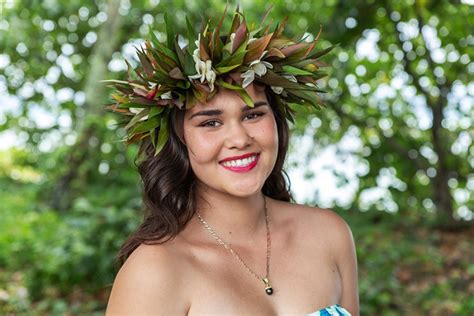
(401, 88)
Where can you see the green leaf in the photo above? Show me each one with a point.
(241, 91)
(179, 53)
(162, 49)
(236, 58)
(189, 67)
(296, 71)
(183, 84)
(163, 79)
(163, 135)
(225, 69)
(246, 97)
(146, 125)
(155, 111)
(137, 118)
(191, 35)
(169, 32)
(310, 96)
(273, 79)
(323, 52)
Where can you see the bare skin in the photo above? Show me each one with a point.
(313, 262)
(312, 266)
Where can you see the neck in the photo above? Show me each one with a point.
(233, 217)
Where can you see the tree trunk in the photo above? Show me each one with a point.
(107, 40)
(442, 197)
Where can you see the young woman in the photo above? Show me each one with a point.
(221, 235)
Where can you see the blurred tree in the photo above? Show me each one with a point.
(400, 108)
(107, 42)
(401, 86)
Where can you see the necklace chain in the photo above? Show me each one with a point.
(268, 287)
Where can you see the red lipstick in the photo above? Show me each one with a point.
(247, 168)
(238, 157)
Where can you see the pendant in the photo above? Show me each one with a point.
(268, 287)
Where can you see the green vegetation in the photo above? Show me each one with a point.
(400, 106)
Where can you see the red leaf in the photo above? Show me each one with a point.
(176, 74)
(151, 94)
(140, 92)
(257, 47)
(275, 52)
(280, 28)
(240, 36)
(290, 50)
(203, 52)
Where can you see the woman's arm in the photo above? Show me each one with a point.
(148, 284)
(346, 259)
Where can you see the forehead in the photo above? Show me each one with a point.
(228, 99)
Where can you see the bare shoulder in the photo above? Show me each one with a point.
(329, 230)
(320, 221)
(147, 283)
(319, 226)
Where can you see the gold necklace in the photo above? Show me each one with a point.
(268, 287)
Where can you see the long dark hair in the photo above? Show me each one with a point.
(169, 183)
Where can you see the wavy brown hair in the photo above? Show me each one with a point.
(169, 183)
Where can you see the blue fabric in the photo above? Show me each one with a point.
(333, 310)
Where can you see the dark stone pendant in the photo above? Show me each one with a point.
(268, 287)
(269, 290)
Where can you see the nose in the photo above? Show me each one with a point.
(237, 136)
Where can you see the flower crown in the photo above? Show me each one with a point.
(171, 76)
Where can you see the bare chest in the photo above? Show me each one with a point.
(303, 275)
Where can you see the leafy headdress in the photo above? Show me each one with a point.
(169, 75)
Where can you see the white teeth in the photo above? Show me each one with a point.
(240, 162)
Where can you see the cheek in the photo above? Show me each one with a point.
(269, 130)
(201, 148)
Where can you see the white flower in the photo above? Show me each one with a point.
(277, 90)
(203, 69)
(166, 96)
(197, 42)
(251, 36)
(290, 77)
(137, 111)
(257, 67)
(231, 38)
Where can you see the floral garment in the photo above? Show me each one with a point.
(333, 310)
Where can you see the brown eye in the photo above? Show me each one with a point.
(210, 123)
(254, 115)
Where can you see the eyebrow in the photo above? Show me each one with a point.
(214, 112)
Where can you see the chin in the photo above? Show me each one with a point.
(245, 190)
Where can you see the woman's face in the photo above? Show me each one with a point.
(218, 133)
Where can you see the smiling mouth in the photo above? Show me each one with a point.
(241, 165)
